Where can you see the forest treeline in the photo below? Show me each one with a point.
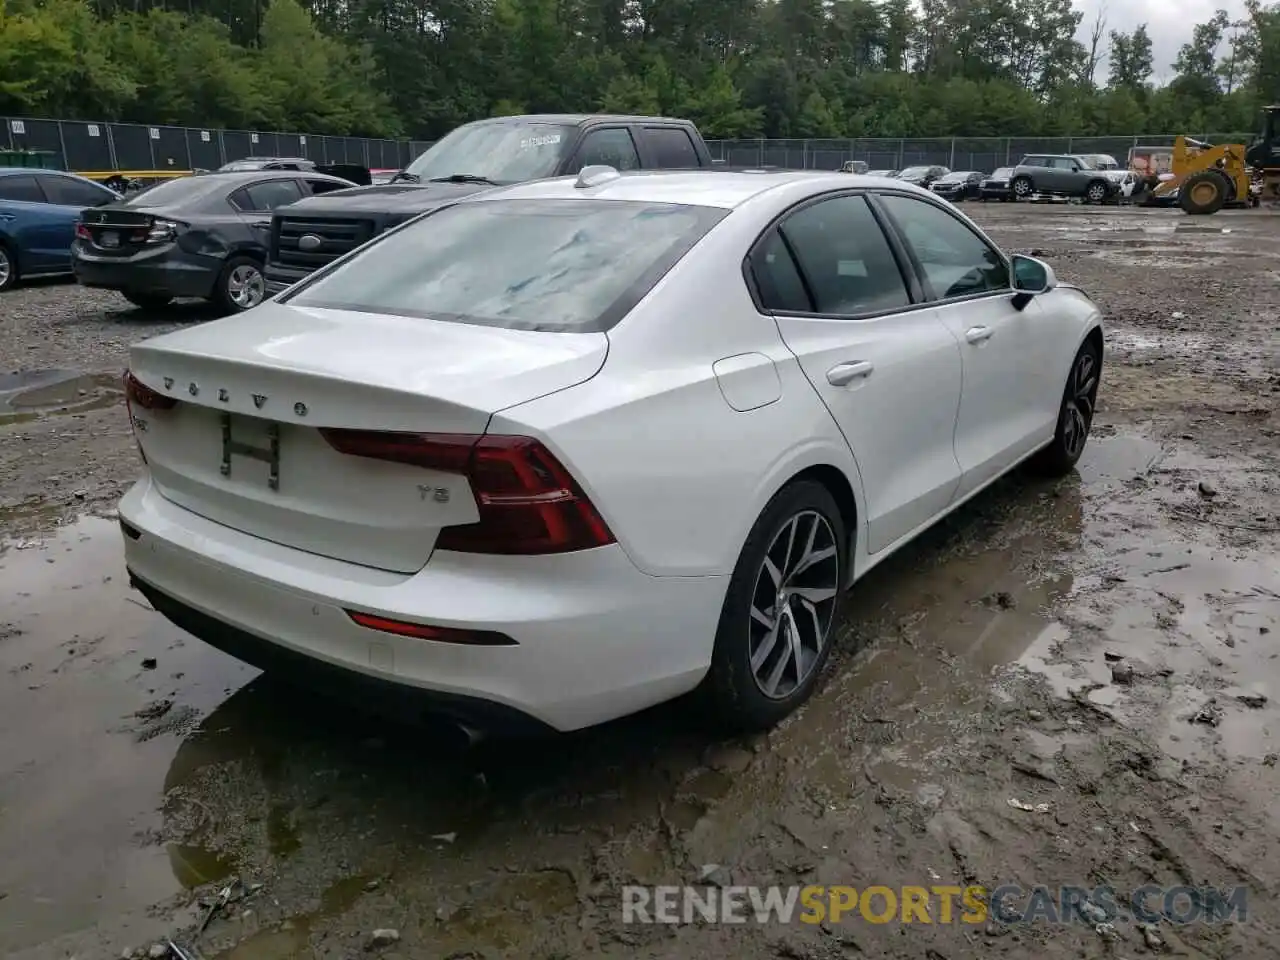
(740, 68)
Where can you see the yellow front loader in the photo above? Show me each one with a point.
(1208, 177)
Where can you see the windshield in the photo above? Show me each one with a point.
(913, 172)
(1085, 162)
(181, 190)
(240, 166)
(572, 266)
(504, 152)
(1003, 172)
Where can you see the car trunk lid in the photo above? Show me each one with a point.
(243, 446)
(116, 229)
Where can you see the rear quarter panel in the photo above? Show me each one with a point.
(678, 474)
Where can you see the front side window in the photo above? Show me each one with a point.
(844, 258)
(500, 151)
(956, 261)
(557, 265)
(612, 147)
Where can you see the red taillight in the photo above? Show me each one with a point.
(422, 631)
(82, 232)
(136, 391)
(528, 502)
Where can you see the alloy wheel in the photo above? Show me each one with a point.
(793, 604)
(1022, 188)
(1096, 192)
(246, 286)
(1079, 405)
(6, 268)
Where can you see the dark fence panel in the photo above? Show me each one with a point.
(132, 146)
(87, 146)
(27, 134)
(290, 145)
(204, 150)
(169, 148)
(236, 145)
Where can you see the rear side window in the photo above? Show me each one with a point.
(671, 147)
(22, 188)
(74, 193)
(179, 191)
(267, 195)
(318, 187)
(571, 266)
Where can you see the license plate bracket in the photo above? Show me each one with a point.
(270, 455)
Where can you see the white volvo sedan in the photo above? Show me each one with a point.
(559, 452)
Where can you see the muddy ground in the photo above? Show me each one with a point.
(1070, 683)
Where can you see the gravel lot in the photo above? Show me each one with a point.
(1066, 684)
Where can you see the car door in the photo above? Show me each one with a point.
(24, 223)
(67, 198)
(1008, 355)
(255, 202)
(611, 146)
(886, 367)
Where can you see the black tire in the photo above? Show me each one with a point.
(1022, 188)
(735, 695)
(8, 268)
(226, 292)
(1096, 191)
(147, 301)
(1075, 415)
(1203, 193)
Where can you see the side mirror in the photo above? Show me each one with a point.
(1030, 278)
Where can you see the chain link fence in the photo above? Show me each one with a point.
(88, 146)
(958, 153)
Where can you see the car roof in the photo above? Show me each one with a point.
(707, 188)
(578, 119)
(235, 178)
(58, 173)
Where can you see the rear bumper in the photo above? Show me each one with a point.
(595, 638)
(170, 271)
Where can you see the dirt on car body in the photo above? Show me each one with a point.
(1071, 684)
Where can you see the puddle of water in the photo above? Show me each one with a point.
(28, 395)
(78, 789)
(274, 784)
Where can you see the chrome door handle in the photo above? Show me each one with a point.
(844, 373)
(978, 334)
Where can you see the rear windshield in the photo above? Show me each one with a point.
(571, 266)
(181, 190)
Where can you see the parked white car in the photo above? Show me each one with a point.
(562, 451)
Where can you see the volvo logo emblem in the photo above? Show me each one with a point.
(259, 399)
(310, 242)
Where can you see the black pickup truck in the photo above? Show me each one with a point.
(478, 156)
